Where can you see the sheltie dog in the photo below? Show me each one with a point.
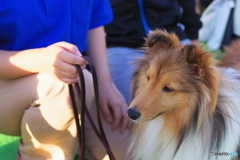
(184, 105)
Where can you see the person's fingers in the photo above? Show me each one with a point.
(59, 60)
(65, 67)
(69, 47)
(69, 81)
(106, 112)
(117, 116)
(125, 121)
(71, 58)
(74, 56)
(63, 74)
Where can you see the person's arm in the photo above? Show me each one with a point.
(56, 60)
(112, 103)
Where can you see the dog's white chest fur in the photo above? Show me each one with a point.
(152, 149)
(148, 148)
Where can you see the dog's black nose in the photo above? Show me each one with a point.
(133, 113)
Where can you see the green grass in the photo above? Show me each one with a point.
(217, 52)
(8, 147)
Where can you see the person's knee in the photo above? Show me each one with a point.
(53, 114)
(48, 86)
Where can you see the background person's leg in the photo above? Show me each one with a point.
(121, 66)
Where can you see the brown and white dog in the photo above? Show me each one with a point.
(185, 107)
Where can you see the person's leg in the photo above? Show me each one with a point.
(121, 66)
(37, 107)
(118, 141)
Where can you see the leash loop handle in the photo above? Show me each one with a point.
(81, 91)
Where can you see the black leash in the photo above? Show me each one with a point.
(81, 91)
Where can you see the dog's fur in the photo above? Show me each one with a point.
(231, 58)
(188, 107)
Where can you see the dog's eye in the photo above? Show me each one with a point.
(148, 78)
(167, 89)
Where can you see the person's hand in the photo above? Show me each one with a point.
(113, 106)
(59, 59)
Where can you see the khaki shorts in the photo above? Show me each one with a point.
(38, 108)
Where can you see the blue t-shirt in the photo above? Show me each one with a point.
(31, 24)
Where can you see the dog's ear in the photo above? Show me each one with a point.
(202, 64)
(194, 56)
(159, 39)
